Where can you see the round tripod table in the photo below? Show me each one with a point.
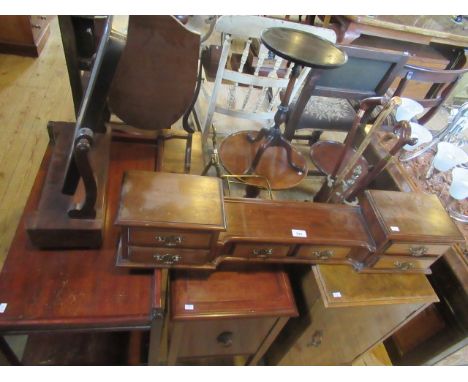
(304, 49)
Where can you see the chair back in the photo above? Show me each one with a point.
(257, 102)
(156, 76)
(443, 82)
(368, 73)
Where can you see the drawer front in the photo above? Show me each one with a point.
(169, 239)
(223, 337)
(404, 263)
(319, 252)
(167, 256)
(417, 249)
(261, 251)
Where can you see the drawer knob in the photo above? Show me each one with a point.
(418, 251)
(403, 266)
(323, 255)
(316, 339)
(263, 252)
(43, 17)
(169, 241)
(167, 258)
(225, 339)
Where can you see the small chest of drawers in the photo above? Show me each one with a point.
(165, 223)
(229, 316)
(411, 230)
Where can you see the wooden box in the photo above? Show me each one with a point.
(230, 316)
(293, 232)
(24, 35)
(344, 314)
(411, 230)
(169, 219)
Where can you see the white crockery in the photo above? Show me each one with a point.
(448, 156)
(408, 110)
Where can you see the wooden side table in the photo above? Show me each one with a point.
(344, 314)
(228, 316)
(70, 291)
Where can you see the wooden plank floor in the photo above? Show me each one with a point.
(32, 92)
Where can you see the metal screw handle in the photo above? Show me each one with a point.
(169, 241)
(225, 339)
(262, 252)
(316, 339)
(167, 258)
(323, 255)
(418, 251)
(403, 266)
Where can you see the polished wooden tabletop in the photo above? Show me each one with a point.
(437, 28)
(78, 289)
(303, 48)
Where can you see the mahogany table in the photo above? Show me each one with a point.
(422, 30)
(57, 291)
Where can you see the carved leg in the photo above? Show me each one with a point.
(261, 134)
(82, 147)
(315, 137)
(283, 143)
(259, 154)
(188, 154)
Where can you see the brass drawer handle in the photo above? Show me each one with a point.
(316, 339)
(167, 258)
(169, 241)
(43, 17)
(225, 339)
(37, 26)
(418, 251)
(262, 252)
(323, 255)
(403, 266)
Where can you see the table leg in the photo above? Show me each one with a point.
(8, 353)
(156, 332)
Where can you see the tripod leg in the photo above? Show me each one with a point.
(207, 167)
(258, 155)
(261, 134)
(283, 143)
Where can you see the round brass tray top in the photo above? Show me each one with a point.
(303, 48)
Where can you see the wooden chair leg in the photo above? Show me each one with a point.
(8, 353)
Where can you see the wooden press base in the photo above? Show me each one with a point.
(237, 153)
(50, 226)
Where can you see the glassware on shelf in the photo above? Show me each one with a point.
(448, 156)
(458, 191)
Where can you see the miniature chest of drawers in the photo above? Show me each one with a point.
(169, 220)
(410, 230)
(229, 316)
